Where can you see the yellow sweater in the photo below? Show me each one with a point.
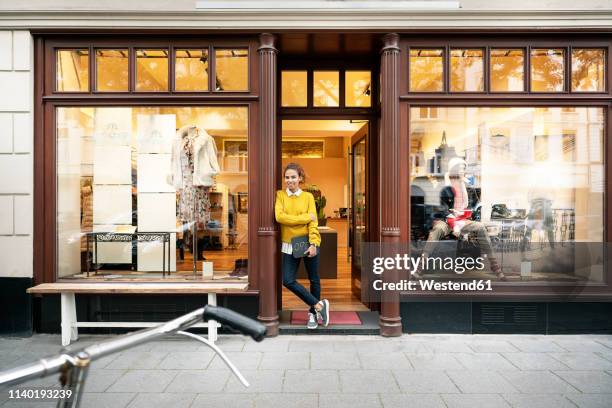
(292, 213)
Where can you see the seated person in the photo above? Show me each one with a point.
(455, 217)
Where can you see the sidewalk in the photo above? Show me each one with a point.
(343, 371)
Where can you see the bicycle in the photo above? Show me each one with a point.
(73, 365)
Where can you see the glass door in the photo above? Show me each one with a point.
(358, 211)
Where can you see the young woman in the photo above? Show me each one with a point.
(296, 213)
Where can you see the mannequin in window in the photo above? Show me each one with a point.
(455, 217)
(194, 165)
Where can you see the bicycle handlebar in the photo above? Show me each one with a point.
(52, 365)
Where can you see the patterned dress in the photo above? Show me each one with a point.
(192, 196)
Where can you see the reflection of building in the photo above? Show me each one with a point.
(438, 164)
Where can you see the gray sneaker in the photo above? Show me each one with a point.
(324, 312)
(312, 321)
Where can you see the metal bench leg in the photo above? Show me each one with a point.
(212, 324)
(68, 307)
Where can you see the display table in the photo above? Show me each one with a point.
(328, 257)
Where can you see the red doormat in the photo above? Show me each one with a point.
(300, 318)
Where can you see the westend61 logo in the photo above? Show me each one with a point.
(416, 265)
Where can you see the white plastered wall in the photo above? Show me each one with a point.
(16, 162)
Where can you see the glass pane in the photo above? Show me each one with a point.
(112, 70)
(359, 200)
(517, 189)
(72, 70)
(426, 70)
(191, 70)
(232, 69)
(294, 86)
(326, 88)
(467, 71)
(547, 70)
(152, 70)
(507, 70)
(358, 90)
(588, 66)
(115, 175)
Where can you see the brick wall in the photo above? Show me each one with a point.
(16, 166)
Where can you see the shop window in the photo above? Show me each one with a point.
(151, 70)
(507, 70)
(326, 88)
(232, 70)
(547, 70)
(358, 89)
(428, 112)
(115, 174)
(191, 70)
(72, 70)
(426, 70)
(588, 67)
(514, 186)
(112, 70)
(294, 88)
(467, 70)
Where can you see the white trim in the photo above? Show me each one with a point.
(327, 5)
(309, 19)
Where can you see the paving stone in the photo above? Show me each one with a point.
(387, 345)
(315, 345)
(137, 360)
(143, 381)
(322, 381)
(260, 381)
(424, 382)
(336, 360)
(537, 382)
(384, 361)
(484, 361)
(271, 344)
(492, 346)
(243, 361)
(591, 400)
(450, 347)
(534, 361)
(536, 346)
(106, 399)
(412, 400)
(349, 401)
(165, 400)
(285, 359)
(199, 381)
(583, 361)
(588, 381)
(210, 400)
(481, 382)
(367, 381)
(176, 344)
(538, 401)
(29, 404)
(434, 361)
(233, 342)
(286, 400)
(582, 344)
(186, 360)
(606, 341)
(100, 380)
(474, 400)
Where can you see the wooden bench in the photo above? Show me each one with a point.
(67, 291)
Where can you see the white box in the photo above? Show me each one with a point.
(155, 133)
(112, 164)
(151, 254)
(112, 204)
(153, 171)
(156, 212)
(113, 126)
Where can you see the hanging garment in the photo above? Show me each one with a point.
(194, 202)
(203, 152)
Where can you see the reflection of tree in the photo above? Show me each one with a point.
(463, 63)
(587, 69)
(426, 73)
(547, 70)
(506, 65)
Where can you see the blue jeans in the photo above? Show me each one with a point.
(290, 268)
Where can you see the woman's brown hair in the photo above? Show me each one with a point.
(299, 169)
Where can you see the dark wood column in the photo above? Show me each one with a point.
(267, 232)
(390, 320)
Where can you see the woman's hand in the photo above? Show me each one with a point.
(311, 251)
(312, 217)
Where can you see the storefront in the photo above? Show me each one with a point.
(156, 157)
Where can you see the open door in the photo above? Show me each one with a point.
(358, 212)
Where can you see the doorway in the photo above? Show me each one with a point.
(333, 153)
